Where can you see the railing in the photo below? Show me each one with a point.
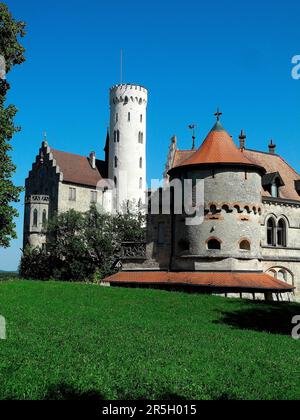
(38, 199)
(133, 250)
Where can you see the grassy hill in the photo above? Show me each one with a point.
(7, 275)
(81, 341)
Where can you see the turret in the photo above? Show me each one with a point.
(229, 236)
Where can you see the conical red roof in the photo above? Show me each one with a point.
(218, 148)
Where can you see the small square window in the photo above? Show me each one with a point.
(72, 194)
(94, 197)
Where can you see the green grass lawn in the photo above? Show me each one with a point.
(69, 341)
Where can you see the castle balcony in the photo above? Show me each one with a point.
(134, 250)
(37, 199)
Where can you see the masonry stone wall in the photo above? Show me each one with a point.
(282, 262)
(83, 198)
(232, 211)
(43, 180)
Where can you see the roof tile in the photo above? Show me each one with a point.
(76, 169)
(229, 280)
(217, 148)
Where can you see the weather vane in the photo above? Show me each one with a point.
(193, 128)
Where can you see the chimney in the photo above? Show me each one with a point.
(93, 160)
(272, 148)
(242, 138)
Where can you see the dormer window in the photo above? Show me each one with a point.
(272, 182)
(274, 190)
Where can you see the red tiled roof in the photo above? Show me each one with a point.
(217, 148)
(270, 162)
(182, 155)
(76, 169)
(275, 163)
(234, 281)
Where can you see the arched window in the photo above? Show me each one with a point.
(141, 118)
(126, 100)
(282, 275)
(281, 233)
(141, 184)
(117, 117)
(129, 116)
(44, 217)
(115, 182)
(35, 218)
(141, 163)
(141, 137)
(273, 273)
(271, 228)
(245, 245)
(115, 136)
(116, 162)
(118, 136)
(214, 244)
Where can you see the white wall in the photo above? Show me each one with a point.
(126, 99)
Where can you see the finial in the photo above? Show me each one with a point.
(45, 135)
(242, 138)
(193, 128)
(272, 147)
(218, 114)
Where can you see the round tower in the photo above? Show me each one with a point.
(127, 146)
(228, 238)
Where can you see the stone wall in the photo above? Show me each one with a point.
(83, 198)
(232, 211)
(43, 180)
(282, 262)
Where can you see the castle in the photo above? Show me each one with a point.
(248, 243)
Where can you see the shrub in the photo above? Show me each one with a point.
(82, 246)
(35, 264)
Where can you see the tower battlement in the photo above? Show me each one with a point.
(126, 86)
(128, 94)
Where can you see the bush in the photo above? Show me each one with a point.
(35, 264)
(82, 246)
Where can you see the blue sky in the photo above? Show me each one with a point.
(193, 56)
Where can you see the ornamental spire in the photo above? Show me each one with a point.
(218, 114)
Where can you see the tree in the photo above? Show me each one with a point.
(12, 53)
(82, 246)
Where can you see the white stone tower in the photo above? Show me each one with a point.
(127, 146)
